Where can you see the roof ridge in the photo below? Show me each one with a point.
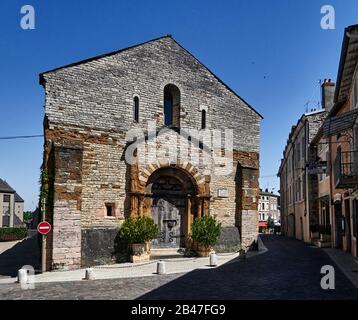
(102, 55)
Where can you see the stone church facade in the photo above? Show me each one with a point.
(92, 110)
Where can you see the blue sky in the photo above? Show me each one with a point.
(272, 53)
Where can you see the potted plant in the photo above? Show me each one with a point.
(325, 233)
(138, 232)
(314, 231)
(205, 232)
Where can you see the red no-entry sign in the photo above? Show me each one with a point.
(44, 227)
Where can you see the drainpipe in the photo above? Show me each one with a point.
(331, 165)
(294, 189)
(307, 202)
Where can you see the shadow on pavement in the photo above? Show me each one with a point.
(23, 253)
(289, 270)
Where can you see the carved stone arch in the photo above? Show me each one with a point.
(200, 180)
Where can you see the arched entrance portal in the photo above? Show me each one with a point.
(173, 206)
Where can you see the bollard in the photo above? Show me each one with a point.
(242, 254)
(213, 260)
(22, 276)
(161, 267)
(89, 275)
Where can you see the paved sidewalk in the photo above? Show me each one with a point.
(146, 269)
(346, 262)
(130, 270)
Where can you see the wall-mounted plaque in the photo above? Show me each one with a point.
(223, 193)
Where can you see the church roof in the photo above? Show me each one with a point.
(140, 44)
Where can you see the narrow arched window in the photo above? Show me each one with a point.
(203, 119)
(136, 109)
(171, 106)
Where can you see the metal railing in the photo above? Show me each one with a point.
(346, 168)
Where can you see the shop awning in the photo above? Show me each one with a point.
(339, 123)
(263, 224)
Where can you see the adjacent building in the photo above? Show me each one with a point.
(269, 207)
(298, 205)
(320, 194)
(336, 146)
(11, 205)
(159, 90)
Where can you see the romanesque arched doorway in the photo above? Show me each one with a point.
(173, 206)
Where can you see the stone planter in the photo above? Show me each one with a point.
(148, 246)
(139, 252)
(314, 235)
(325, 237)
(204, 251)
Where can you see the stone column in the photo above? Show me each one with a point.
(134, 211)
(188, 220)
(206, 204)
(200, 206)
(140, 204)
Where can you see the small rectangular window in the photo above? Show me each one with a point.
(110, 210)
(203, 119)
(136, 109)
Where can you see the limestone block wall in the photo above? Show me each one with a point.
(99, 93)
(104, 182)
(66, 251)
(64, 243)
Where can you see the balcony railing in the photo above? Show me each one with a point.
(346, 169)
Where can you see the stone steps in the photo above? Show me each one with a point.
(166, 253)
(321, 244)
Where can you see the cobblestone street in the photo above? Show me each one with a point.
(289, 270)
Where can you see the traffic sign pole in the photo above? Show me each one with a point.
(43, 255)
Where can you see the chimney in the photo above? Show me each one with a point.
(327, 88)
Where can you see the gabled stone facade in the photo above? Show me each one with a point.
(89, 112)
